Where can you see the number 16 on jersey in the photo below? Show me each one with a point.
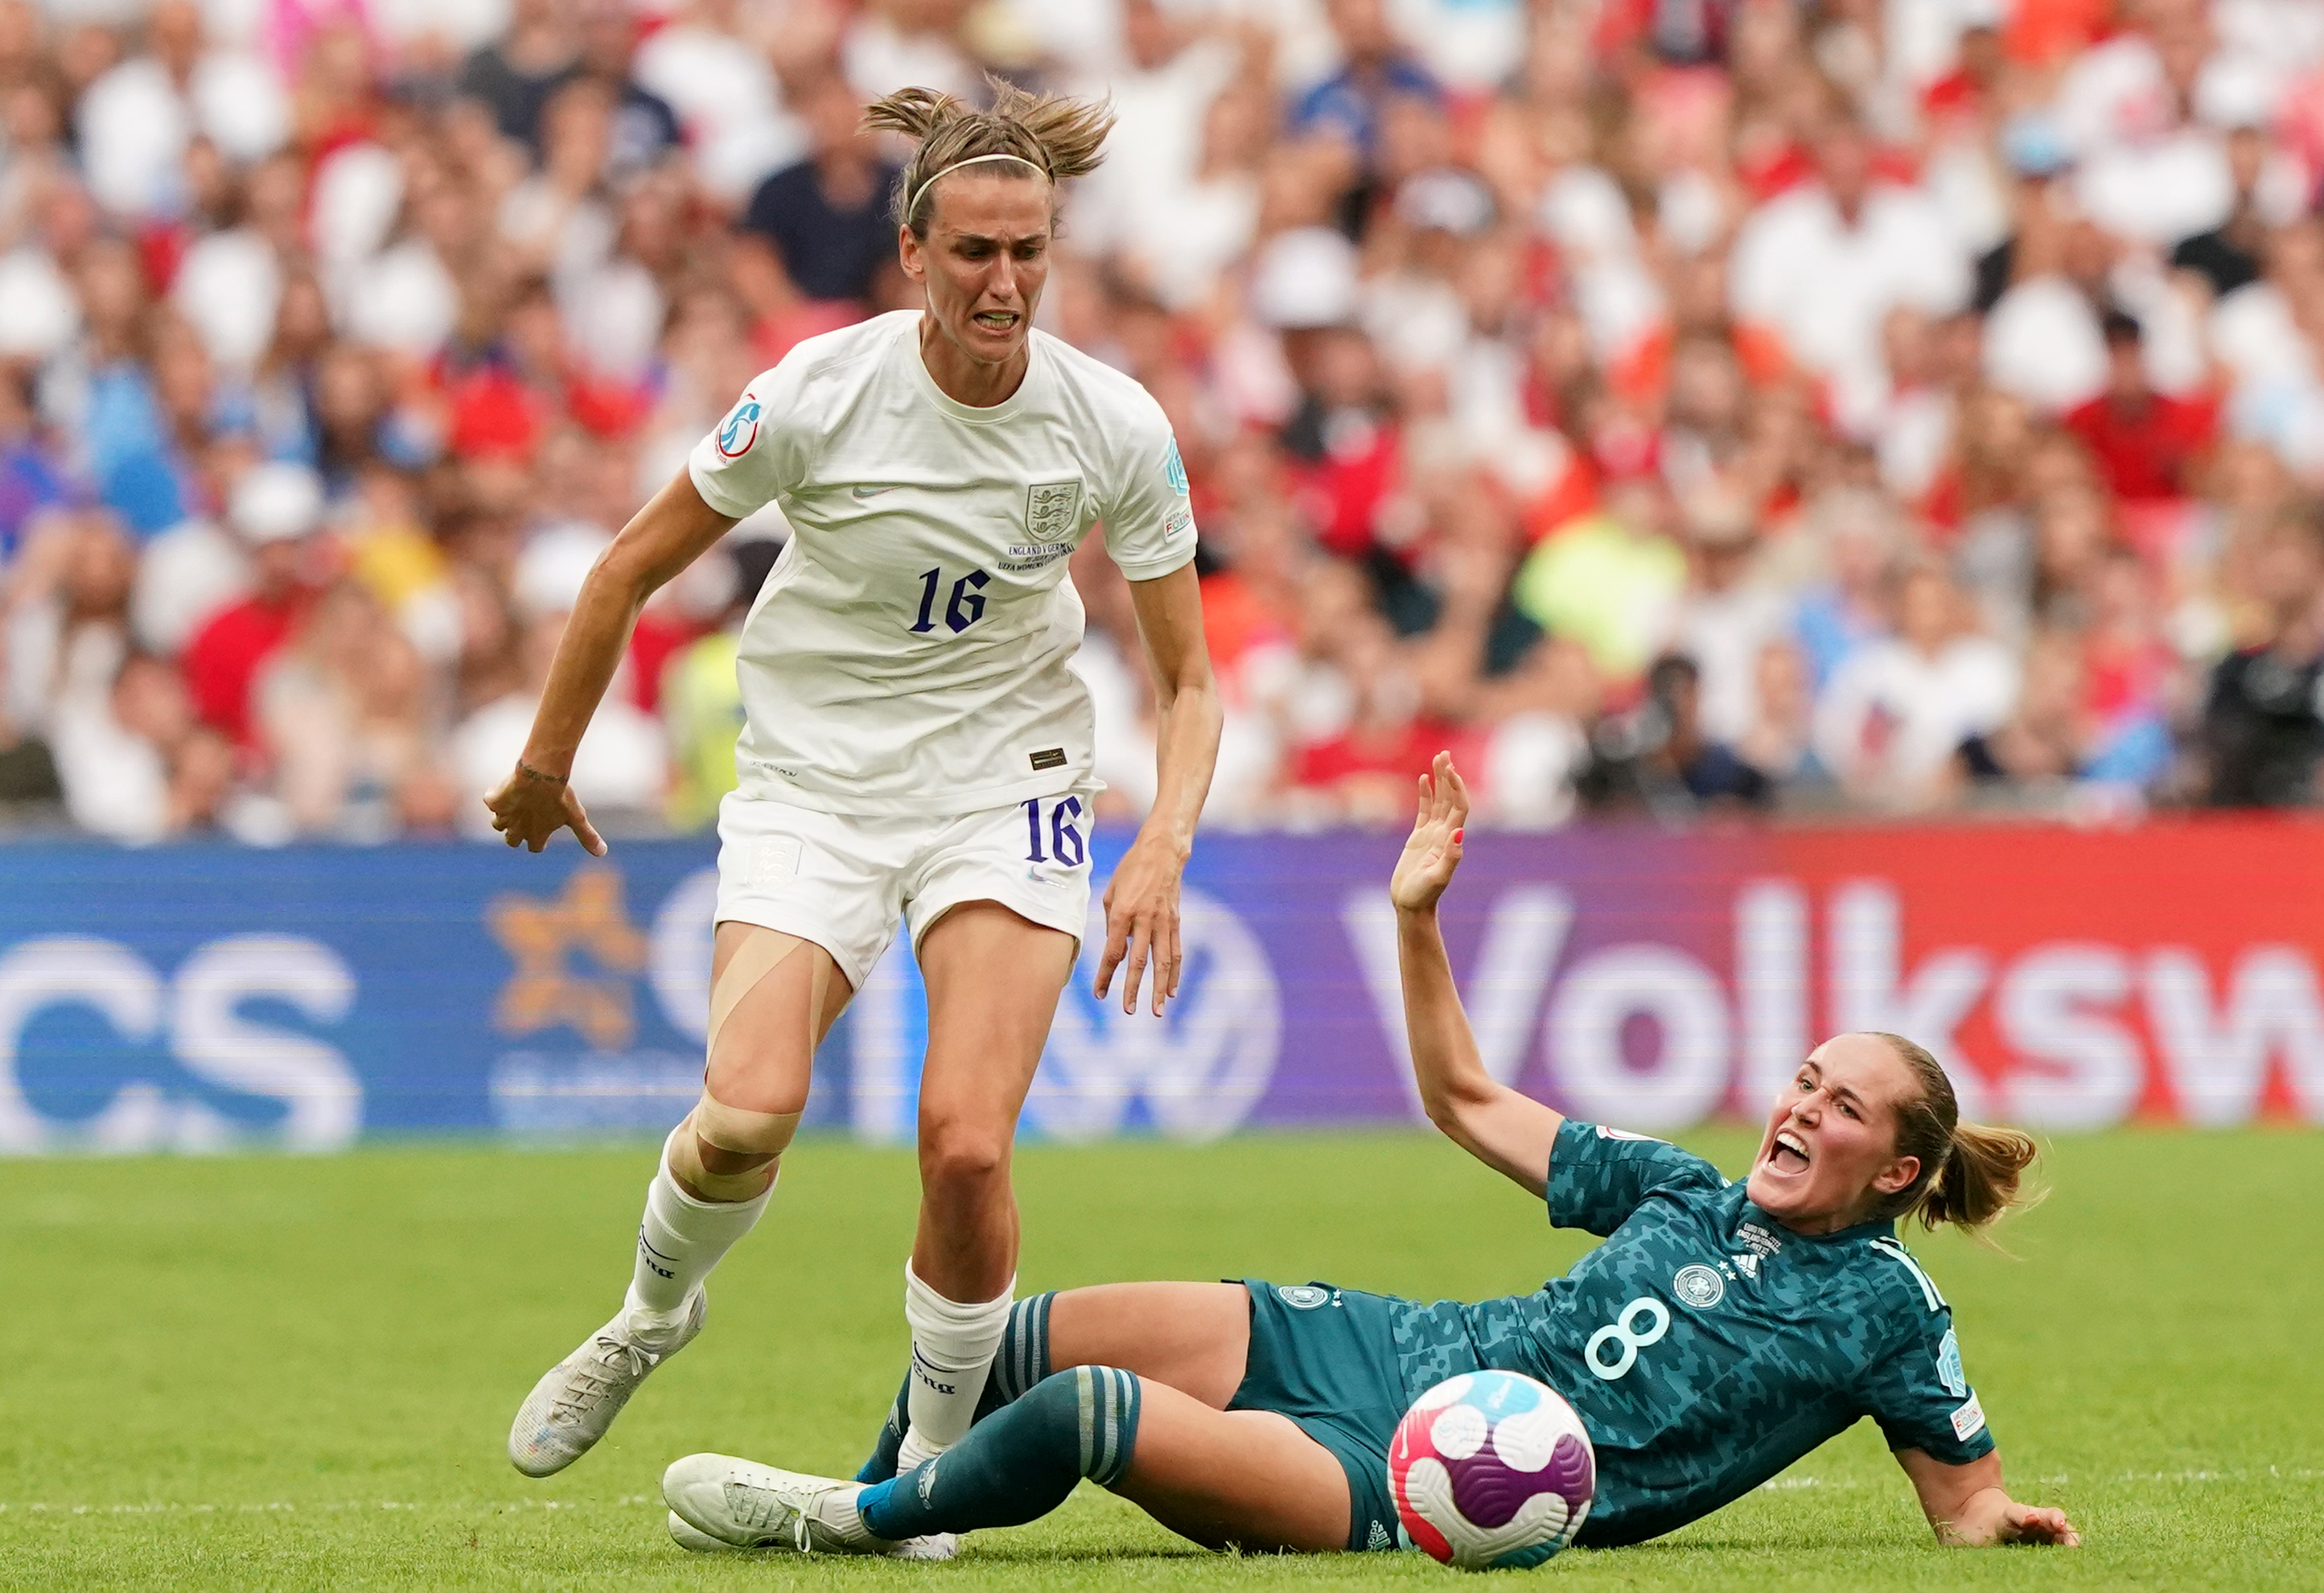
(966, 607)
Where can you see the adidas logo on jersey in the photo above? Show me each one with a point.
(1748, 1264)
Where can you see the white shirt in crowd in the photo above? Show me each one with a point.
(908, 654)
(622, 765)
(2043, 344)
(1724, 633)
(1827, 286)
(1893, 713)
(117, 784)
(187, 574)
(1530, 763)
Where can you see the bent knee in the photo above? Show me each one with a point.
(1092, 1412)
(723, 1154)
(956, 1156)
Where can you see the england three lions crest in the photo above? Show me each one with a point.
(1052, 509)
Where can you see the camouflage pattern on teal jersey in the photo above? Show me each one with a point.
(1706, 1347)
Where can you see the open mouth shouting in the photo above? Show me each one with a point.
(1787, 1155)
(1001, 323)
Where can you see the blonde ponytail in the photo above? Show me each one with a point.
(1982, 1177)
(1970, 1175)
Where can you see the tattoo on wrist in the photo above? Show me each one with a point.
(530, 772)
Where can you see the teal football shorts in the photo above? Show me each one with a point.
(1326, 1358)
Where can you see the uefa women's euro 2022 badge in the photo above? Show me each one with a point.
(740, 429)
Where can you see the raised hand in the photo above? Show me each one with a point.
(1433, 850)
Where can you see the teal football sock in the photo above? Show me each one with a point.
(1022, 1362)
(1018, 1464)
(881, 1466)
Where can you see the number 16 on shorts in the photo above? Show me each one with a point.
(1059, 827)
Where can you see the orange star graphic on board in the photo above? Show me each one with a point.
(539, 937)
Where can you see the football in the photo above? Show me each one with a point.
(1491, 1471)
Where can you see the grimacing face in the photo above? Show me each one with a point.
(1829, 1156)
(986, 258)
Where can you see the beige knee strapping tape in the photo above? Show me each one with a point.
(760, 1135)
(749, 1183)
(761, 953)
(746, 1133)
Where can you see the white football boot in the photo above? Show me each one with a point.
(719, 1502)
(577, 1399)
(935, 1546)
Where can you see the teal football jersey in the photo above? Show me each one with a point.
(1705, 1346)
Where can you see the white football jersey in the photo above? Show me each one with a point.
(908, 654)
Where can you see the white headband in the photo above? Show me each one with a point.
(921, 192)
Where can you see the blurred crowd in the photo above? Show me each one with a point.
(1676, 407)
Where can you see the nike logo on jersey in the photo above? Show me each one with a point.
(872, 492)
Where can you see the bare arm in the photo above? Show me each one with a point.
(670, 532)
(1141, 902)
(1967, 1507)
(1510, 1133)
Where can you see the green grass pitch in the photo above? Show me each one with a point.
(280, 1374)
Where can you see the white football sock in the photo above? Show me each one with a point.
(953, 1346)
(679, 1240)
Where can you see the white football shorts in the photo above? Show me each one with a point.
(844, 880)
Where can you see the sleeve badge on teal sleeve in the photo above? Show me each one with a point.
(1949, 1366)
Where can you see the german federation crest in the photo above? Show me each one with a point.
(1051, 510)
(1699, 1286)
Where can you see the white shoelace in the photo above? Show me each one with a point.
(759, 1508)
(610, 1361)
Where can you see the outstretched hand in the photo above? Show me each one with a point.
(528, 808)
(1433, 850)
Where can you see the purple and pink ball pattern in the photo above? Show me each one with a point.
(1491, 1471)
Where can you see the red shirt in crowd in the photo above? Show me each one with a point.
(1396, 755)
(226, 655)
(2148, 449)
